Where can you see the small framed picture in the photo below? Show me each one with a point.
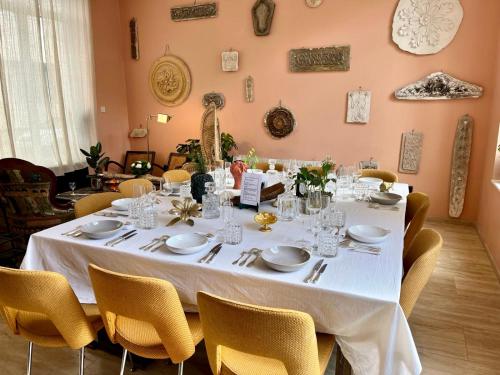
(230, 61)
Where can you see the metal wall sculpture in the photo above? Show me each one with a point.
(230, 61)
(134, 39)
(325, 59)
(170, 80)
(193, 12)
(210, 137)
(439, 86)
(460, 165)
(214, 97)
(279, 121)
(358, 106)
(425, 27)
(313, 3)
(411, 152)
(249, 89)
(262, 15)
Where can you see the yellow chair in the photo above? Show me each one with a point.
(248, 339)
(417, 206)
(177, 175)
(418, 265)
(94, 203)
(127, 187)
(144, 315)
(386, 176)
(264, 166)
(42, 307)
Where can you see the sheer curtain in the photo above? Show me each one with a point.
(47, 99)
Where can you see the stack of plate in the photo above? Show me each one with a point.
(368, 233)
(188, 243)
(97, 230)
(386, 198)
(285, 258)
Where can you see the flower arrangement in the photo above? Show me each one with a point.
(251, 159)
(315, 178)
(140, 167)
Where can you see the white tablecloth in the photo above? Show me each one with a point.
(357, 298)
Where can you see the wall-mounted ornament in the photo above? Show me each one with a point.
(249, 89)
(460, 165)
(325, 59)
(358, 106)
(193, 12)
(230, 61)
(439, 86)
(134, 39)
(170, 80)
(313, 3)
(425, 27)
(210, 136)
(214, 97)
(262, 15)
(279, 121)
(411, 152)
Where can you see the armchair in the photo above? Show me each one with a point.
(130, 157)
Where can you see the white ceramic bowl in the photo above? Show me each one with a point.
(176, 186)
(386, 198)
(372, 181)
(188, 243)
(368, 233)
(101, 228)
(121, 204)
(285, 258)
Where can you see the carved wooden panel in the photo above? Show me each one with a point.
(230, 61)
(210, 136)
(134, 39)
(249, 89)
(325, 59)
(262, 15)
(170, 80)
(411, 152)
(358, 106)
(193, 12)
(214, 97)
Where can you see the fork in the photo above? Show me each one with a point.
(243, 253)
(257, 253)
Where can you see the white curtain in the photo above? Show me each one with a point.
(47, 98)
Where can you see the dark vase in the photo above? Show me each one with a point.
(198, 185)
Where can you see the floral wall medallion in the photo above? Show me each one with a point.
(358, 106)
(425, 27)
(279, 121)
(230, 61)
(170, 80)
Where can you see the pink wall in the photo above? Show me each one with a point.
(318, 99)
(111, 90)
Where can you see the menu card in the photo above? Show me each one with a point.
(251, 185)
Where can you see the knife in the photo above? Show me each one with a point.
(214, 253)
(314, 271)
(210, 253)
(123, 239)
(316, 278)
(110, 242)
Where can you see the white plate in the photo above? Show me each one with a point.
(368, 233)
(386, 198)
(121, 204)
(285, 258)
(372, 181)
(188, 243)
(101, 228)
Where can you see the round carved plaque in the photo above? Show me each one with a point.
(279, 121)
(170, 80)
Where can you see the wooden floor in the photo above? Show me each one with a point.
(456, 323)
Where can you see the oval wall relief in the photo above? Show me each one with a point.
(170, 80)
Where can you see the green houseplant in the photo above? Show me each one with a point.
(227, 145)
(314, 178)
(95, 159)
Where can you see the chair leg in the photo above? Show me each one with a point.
(82, 361)
(30, 355)
(124, 361)
(132, 365)
(181, 368)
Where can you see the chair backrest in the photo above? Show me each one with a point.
(127, 187)
(46, 293)
(264, 166)
(386, 176)
(285, 335)
(418, 265)
(94, 202)
(144, 299)
(177, 175)
(417, 206)
(131, 156)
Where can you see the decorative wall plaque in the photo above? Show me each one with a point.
(262, 15)
(210, 136)
(230, 61)
(216, 98)
(425, 27)
(193, 12)
(460, 165)
(358, 106)
(249, 89)
(325, 59)
(411, 152)
(134, 39)
(170, 80)
(439, 86)
(313, 3)
(279, 121)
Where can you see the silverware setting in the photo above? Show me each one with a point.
(319, 273)
(377, 206)
(245, 256)
(211, 254)
(123, 237)
(110, 214)
(208, 235)
(361, 248)
(74, 232)
(154, 242)
(314, 271)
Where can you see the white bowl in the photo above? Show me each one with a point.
(121, 204)
(176, 186)
(285, 258)
(372, 181)
(368, 233)
(188, 243)
(386, 198)
(101, 228)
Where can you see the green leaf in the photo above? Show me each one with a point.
(84, 152)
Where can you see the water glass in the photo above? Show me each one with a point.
(233, 233)
(134, 208)
(167, 187)
(327, 244)
(226, 211)
(360, 191)
(338, 221)
(220, 179)
(185, 191)
(287, 207)
(138, 190)
(148, 216)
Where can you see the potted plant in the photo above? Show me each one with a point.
(227, 145)
(192, 148)
(314, 178)
(97, 161)
(140, 167)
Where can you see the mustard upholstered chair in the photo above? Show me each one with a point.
(145, 316)
(264, 166)
(418, 265)
(177, 175)
(94, 203)
(417, 206)
(386, 176)
(42, 307)
(248, 339)
(127, 187)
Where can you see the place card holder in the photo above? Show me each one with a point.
(251, 187)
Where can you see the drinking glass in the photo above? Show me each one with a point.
(72, 186)
(356, 175)
(287, 206)
(220, 179)
(233, 233)
(227, 211)
(167, 187)
(185, 191)
(338, 221)
(313, 205)
(138, 190)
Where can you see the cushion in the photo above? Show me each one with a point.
(27, 199)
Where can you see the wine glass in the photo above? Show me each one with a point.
(313, 205)
(338, 221)
(167, 187)
(72, 186)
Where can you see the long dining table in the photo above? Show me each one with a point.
(356, 298)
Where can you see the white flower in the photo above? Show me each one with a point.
(149, 165)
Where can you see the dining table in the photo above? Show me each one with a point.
(356, 298)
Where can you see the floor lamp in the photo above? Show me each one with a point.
(161, 118)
